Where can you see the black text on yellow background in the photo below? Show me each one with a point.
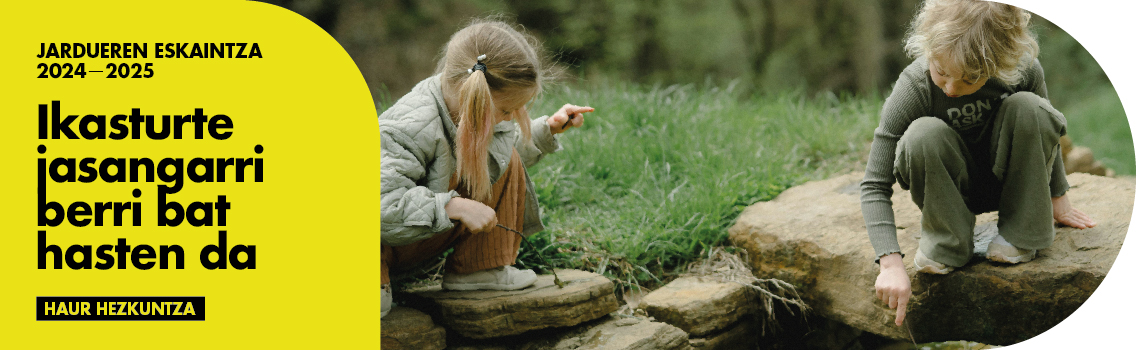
(222, 151)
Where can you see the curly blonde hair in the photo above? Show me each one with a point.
(984, 39)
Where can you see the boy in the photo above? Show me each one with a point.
(967, 129)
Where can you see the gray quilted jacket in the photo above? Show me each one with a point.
(417, 158)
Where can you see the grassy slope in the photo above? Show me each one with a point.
(657, 174)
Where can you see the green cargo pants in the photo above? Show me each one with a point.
(951, 181)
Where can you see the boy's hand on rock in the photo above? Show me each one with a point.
(1065, 214)
(893, 285)
(558, 121)
(476, 216)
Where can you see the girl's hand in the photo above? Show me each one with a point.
(476, 216)
(1064, 213)
(558, 121)
(893, 285)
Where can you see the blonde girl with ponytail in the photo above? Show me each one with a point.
(453, 158)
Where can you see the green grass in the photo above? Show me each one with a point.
(658, 174)
(1098, 123)
(1080, 89)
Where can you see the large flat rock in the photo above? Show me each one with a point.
(488, 314)
(699, 306)
(406, 328)
(813, 236)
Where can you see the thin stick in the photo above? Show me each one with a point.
(557, 281)
(911, 334)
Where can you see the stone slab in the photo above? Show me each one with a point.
(814, 237)
(628, 334)
(487, 313)
(406, 328)
(699, 306)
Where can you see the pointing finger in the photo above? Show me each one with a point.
(577, 109)
(900, 315)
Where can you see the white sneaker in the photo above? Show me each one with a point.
(926, 265)
(1001, 250)
(385, 299)
(500, 278)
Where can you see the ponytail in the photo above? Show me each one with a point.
(474, 135)
(506, 61)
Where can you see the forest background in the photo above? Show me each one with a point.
(704, 107)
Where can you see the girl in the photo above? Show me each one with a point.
(452, 161)
(967, 129)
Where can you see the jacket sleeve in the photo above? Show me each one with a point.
(409, 212)
(542, 142)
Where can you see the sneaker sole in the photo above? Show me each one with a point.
(929, 269)
(1014, 260)
(933, 270)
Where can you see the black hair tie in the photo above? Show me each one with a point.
(479, 65)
